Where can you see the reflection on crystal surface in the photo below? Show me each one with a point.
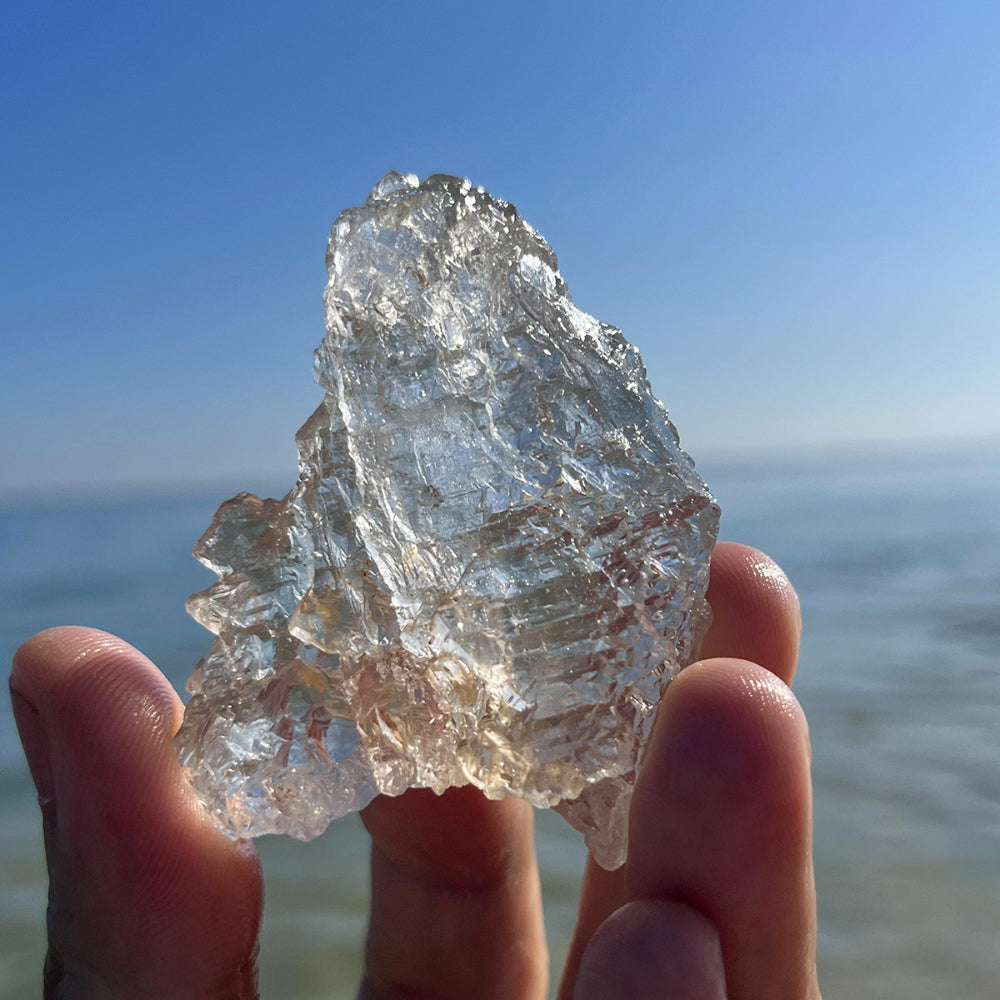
(493, 560)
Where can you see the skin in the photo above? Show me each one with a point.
(716, 899)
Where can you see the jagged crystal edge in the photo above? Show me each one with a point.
(493, 561)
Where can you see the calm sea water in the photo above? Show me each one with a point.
(897, 562)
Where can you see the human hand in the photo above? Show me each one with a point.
(148, 899)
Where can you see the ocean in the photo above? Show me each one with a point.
(896, 559)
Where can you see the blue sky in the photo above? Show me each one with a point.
(792, 209)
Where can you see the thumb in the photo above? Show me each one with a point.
(146, 897)
(652, 949)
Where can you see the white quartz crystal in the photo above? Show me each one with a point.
(493, 561)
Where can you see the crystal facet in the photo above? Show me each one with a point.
(493, 561)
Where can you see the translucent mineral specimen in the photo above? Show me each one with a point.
(494, 558)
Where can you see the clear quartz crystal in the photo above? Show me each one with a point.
(493, 561)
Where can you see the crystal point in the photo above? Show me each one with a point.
(494, 558)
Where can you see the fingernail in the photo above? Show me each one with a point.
(35, 740)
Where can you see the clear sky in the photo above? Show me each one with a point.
(792, 209)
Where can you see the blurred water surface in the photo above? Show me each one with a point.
(897, 562)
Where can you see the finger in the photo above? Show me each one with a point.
(755, 611)
(652, 949)
(456, 905)
(721, 822)
(146, 897)
(601, 893)
(755, 616)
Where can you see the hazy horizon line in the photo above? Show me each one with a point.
(233, 482)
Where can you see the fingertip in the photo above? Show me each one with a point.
(726, 684)
(56, 650)
(73, 669)
(756, 613)
(729, 728)
(97, 720)
(653, 948)
(416, 832)
(456, 906)
(721, 820)
(139, 874)
(70, 679)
